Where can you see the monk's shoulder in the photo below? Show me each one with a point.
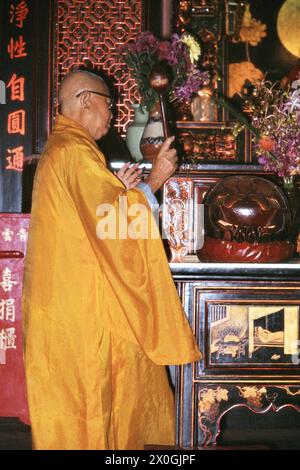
(69, 149)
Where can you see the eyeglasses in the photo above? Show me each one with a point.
(110, 105)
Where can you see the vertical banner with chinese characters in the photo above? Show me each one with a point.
(16, 75)
(13, 241)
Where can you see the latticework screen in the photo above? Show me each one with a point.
(89, 33)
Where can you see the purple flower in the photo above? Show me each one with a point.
(275, 114)
(146, 40)
(263, 160)
(191, 85)
(179, 53)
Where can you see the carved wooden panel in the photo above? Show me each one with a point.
(89, 33)
(183, 212)
(177, 216)
(213, 143)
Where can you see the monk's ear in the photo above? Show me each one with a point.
(85, 100)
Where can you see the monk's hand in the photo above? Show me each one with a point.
(129, 175)
(163, 166)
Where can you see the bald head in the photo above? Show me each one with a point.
(73, 83)
(85, 98)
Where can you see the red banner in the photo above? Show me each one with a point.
(13, 239)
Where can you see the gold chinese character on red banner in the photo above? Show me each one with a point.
(15, 159)
(18, 13)
(16, 122)
(16, 49)
(17, 88)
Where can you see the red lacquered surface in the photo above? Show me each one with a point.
(218, 251)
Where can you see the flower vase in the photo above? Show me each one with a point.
(153, 135)
(135, 131)
(292, 192)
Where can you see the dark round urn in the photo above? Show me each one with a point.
(247, 219)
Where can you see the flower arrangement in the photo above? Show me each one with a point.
(275, 120)
(180, 54)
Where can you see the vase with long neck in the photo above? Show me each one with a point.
(135, 131)
(153, 135)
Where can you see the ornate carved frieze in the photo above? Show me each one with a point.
(213, 146)
(177, 217)
(213, 143)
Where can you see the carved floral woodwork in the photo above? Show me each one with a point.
(182, 215)
(177, 217)
(215, 402)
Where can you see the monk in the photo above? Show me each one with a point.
(102, 317)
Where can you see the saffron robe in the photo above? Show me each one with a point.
(101, 316)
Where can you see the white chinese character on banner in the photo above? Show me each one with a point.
(10, 310)
(7, 234)
(7, 282)
(8, 338)
(7, 310)
(2, 309)
(23, 235)
(2, 340)
(11, 338)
